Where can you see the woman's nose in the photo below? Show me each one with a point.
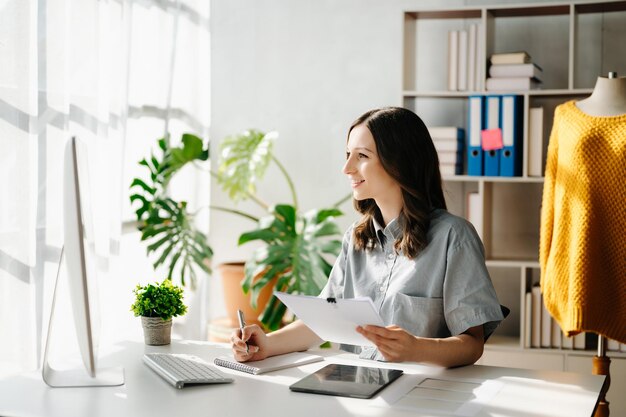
(348, 167)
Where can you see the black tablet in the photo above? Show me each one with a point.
(347, 381)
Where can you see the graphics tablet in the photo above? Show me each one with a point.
(347, 381)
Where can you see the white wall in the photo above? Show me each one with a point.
(306, 69)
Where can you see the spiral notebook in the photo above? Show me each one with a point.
(273, 363)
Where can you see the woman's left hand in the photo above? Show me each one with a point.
(395, 343)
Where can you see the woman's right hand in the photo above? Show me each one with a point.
(256, 340)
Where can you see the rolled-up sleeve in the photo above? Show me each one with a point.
(469, 296)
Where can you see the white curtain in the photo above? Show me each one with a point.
(118, 74)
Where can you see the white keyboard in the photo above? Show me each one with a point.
(180, 370)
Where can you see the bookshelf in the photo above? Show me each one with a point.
(574, 42)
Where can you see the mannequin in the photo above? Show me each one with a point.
(607, 99)
(594, 126)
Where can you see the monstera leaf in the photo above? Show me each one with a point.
(243, 161)
(294, 257)
(166, 225)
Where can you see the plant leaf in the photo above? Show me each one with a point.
(293, 255)
(243, 161)
(165, 224)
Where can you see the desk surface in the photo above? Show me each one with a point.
(524, 392)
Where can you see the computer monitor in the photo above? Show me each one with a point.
(80, 270)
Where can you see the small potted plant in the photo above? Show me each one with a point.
(157, 304)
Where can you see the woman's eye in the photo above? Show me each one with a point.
(362, 155)
(347, 155)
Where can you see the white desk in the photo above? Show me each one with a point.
(525, 392)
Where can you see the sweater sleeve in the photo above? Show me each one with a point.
(547, 205)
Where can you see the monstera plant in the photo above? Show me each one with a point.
(166, 224)
(297, 245)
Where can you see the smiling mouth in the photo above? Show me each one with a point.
(356, 183)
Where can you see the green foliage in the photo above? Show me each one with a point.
(165, 224)
(163, 300)
(294, 254)
(243, 161)
(296, 244)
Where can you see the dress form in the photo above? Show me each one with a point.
(607, 99)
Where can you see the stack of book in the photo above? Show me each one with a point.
(450, 145)
(512, 72)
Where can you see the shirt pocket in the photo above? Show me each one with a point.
(420, 316)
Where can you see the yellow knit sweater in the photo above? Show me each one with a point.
(582, 248)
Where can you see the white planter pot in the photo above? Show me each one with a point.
(156, 331)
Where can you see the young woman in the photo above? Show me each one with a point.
(423, 267)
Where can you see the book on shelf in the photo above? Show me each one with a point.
(472, 58)
(446, 132)
(453, 59)
(450, 158)
(528, 317)
(475, 124)
(515, 70)
(567, 342)
(448, 146)
(491, 135)
(511, 123)
(462, 61)
(546, 326)
(555, 335)
(520, 57)
(450, 169)
(580, 341)
(480, 57)
(612, 345)
(475, 211)
(535, 337)
(512, 84)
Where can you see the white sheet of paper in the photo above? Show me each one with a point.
(334, 322)
(448, 396)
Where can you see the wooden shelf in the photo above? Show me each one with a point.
(574, 42)
(475, 178)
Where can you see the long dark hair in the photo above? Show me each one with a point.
(407, 153)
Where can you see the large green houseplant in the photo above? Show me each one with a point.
(297, 244)
(166, 224)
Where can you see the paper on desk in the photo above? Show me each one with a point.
(460, 397)
(334, 321)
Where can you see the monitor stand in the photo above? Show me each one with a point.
(83, 377)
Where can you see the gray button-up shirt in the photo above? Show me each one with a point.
(442, 292)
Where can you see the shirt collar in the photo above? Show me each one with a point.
(391, 232)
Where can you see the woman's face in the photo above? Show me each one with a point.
(367, 176)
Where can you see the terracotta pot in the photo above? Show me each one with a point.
(232, 275)
(156, 331)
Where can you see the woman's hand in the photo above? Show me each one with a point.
(393, 342)
(396, 345)
(249, 346)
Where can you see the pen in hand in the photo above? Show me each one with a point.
(242, 324)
